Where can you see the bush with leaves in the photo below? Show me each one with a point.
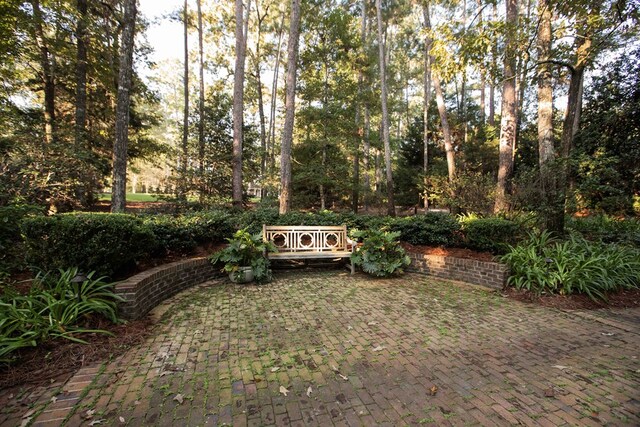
(109, 244)
(607, 229)
(57, 306)
(246, 250)
(543, 264)
(11, 245)
(435, 229)
(493, 234)
(380, 253)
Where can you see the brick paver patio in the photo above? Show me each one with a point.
(326, 348)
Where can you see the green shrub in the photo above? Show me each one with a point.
(246, 250)
(211, 226)
(57, 306)
(380, 253)
(545, 265)
(493, 234)
(109, 244)
(171, 235)
(607, 229)
(434, 229)
(11, 248)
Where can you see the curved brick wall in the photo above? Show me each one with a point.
(490, 274)
(144, 291)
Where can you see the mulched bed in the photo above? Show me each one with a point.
(623, 299)
(453, 252)
(59, 359)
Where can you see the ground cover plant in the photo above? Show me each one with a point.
(379, 253)
(58, 306)
(545, 265)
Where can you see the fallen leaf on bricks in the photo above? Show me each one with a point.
(309, 391)
(433, 390)
(343, 377)
(561, 367)
(284, 391)
(96, 422)
(379, 348)
(179, 398)
(54, 399)
(275, 369)
(89, 413)
(121, 419)
(29, 413)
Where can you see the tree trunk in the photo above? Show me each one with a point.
(201, 118)
(81, 74)
(287, 134)
(182, 193)
(391, 208)
(553, 208)
(47, 74)
(366, 162)
(355, 197)
(271, 137)
(263, 131)
(442, 111)
(483, 75)
(509, 118)
(119, 185)
(425, 106)
(492, 85)
(238, 107)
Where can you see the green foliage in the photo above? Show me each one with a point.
(11, 248)
(434, 229)
(380, 254)
(182, 233)
(607, 229)
(109, 244)
(246, 250)
(493, 234)
(607, 149)
(543, 264)
(57, 306)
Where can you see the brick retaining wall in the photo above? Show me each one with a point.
(490, 274)
(144, 291)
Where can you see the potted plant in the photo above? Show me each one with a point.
(245, 258)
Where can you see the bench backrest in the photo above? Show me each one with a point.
(306, 238)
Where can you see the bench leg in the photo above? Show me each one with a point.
(353, 268)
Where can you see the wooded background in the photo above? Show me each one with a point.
(475, 106)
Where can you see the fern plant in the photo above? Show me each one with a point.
(380, 253)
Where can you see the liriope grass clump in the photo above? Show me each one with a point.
(545, 265)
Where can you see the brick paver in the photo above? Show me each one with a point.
(351, 351)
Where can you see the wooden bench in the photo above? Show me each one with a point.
(309, 241)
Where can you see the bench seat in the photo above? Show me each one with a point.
(309, 242)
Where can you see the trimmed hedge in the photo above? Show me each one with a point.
(11, 245)
(112, 244)
(492, 234)
(109, 244)
(433, 229)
